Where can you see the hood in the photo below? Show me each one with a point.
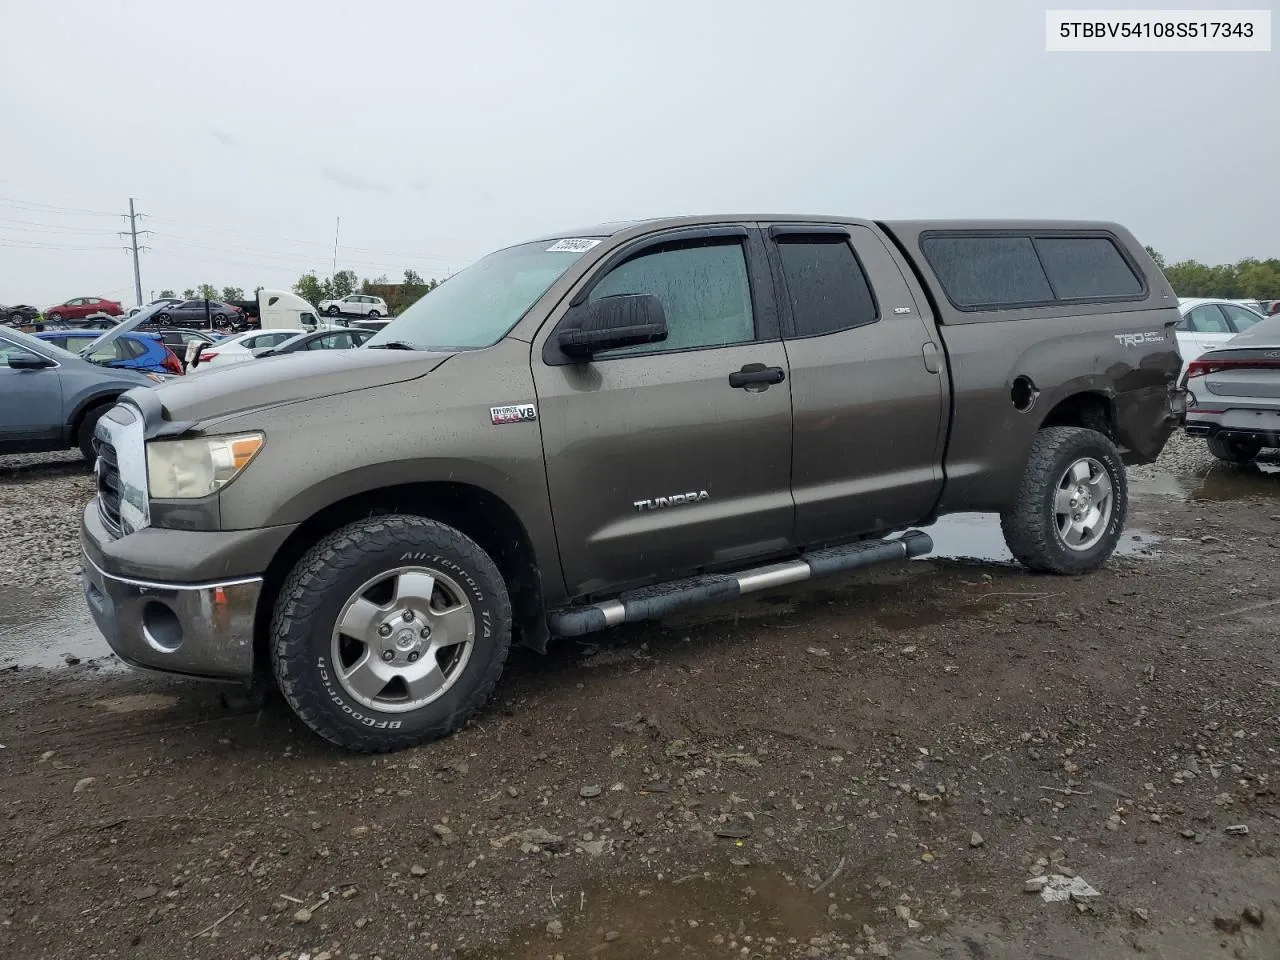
(289, 378)
(132, 323)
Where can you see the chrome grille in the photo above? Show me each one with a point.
(107, 471)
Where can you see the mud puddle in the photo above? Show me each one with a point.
(747, 912)
(1221, 483)
(977, 536)
(49, 631)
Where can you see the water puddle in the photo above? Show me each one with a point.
(977, 536)
(1224, 482)
(750, 912)
(49, 631)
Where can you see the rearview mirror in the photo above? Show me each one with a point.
(626, 320)
(28, 361)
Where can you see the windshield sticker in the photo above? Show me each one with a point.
(575, 245)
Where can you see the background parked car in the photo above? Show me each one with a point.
(239, 348)
(201, 312)
(130, 351)
(319, 340)
(95, 321)
(162, 302)
(18, 314)
(82, 307)
(356, 304)
(1209, 323)
(1234, 394)
(374, 325)
(51, 399)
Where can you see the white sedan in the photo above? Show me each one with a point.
(240, 348)
(355, 305)
(1207, 323)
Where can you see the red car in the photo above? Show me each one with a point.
(82, 307)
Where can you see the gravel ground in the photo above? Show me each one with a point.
(41, 496)
(879, 765)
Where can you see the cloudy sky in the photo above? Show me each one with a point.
(439, 130)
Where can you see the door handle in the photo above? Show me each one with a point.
(756, 375)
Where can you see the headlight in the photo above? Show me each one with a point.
(189, 469)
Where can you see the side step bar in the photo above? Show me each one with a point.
(651, 603)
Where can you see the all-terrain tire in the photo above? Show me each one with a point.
(313, 596)
(1030, 525)
(84, 435)
(1233, 451)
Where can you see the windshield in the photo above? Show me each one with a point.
(12, 341)
(476, 308)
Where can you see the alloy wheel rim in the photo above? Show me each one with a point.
(1083, 504)
(402, 639)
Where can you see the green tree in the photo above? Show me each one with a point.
(232, 293)
(311, 288)
(413, 279)
(188, 294)
(167, 294)
(1154, 254)
(207, 291)
(344, 282)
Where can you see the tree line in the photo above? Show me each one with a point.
(1247, 279)
(206, 291)
(399, 296)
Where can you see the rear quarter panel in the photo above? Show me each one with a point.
(1124, 352)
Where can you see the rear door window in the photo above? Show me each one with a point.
(825, 285)
(1239, 318)
(979, 272)
(1087, 268)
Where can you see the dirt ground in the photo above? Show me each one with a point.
(871, 766)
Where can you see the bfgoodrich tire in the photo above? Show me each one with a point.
(1071, 505)
(390, 632)
(1233, 451)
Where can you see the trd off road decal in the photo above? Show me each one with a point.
(513, 413)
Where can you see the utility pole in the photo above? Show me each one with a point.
(337, 224)
(132, 234)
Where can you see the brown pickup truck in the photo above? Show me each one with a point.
(614, 423)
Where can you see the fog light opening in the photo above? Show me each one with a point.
(160, 627)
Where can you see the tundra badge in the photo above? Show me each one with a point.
(513, 413)
(675, 500)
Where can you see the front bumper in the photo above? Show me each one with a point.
(199, 630)
(199, 626)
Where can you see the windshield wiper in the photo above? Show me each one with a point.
(392, 345)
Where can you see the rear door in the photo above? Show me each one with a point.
(660, 461)
(867, 384)
(1209, 327)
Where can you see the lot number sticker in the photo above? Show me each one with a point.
(575, 245)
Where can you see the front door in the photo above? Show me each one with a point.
(660, 461)
(30, 404)
(866, 384)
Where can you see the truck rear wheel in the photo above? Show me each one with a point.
(390, 632)
(1071, 506)
(1233, 451)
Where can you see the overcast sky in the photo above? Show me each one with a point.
(440, 130)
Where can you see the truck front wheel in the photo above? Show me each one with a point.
(1071, 505)
(390, 632)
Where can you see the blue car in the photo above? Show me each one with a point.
(144, 352)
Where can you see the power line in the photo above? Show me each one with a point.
(69, 211)
(24, 244)
(27, 225)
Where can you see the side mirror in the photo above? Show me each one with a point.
(28, 361)
(626, 320)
